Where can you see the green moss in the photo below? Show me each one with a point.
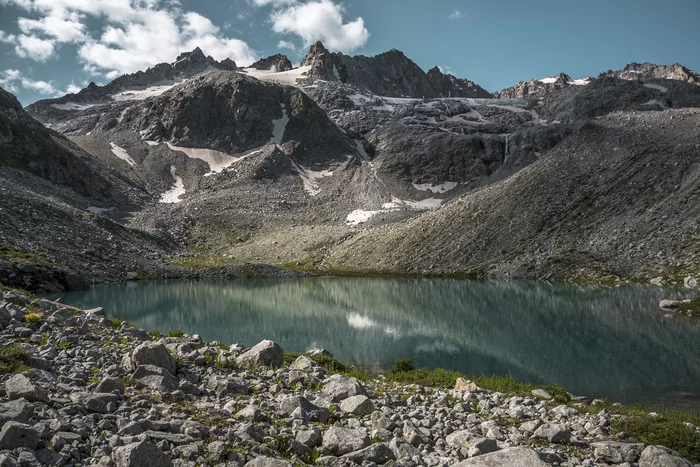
(307, 264)
(692, 308)
(332, 365)
(117, 323)
(13, 359)
(16, 256)
(175, 333)
(32, 318)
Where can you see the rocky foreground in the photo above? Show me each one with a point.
(81, 389)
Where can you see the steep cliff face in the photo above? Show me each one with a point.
(650, 71)
(276, 62)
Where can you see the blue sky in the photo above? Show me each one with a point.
(53, 46)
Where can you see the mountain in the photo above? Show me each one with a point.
(649, 71)
(390, 74)
(617, 199)
(360, 163)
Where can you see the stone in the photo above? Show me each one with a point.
(140, 454)
(18, 435)
(357, 405)
(616, 453)
(660, 456)
(268, 462)
(110, 384)
(483, 445)
(460, 438)
(227, 386)
(339, 387)
(402, 450)
(265, 353)
(154, 377)
(672, 304)
(411, 434)
(340, 440)
(21, 386)
(511, 457)
(542, 394)
(564, 411)
(304, 363)
(378, 453)
(464, 385)
(311, 437)
(554, 433)
(18, 410)
(154, 353)
(249, 412)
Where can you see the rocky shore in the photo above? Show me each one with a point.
(78, 388)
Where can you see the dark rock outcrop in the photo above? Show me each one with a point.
(276, 62)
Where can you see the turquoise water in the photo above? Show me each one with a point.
(594, 341)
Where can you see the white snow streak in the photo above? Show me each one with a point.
(310, 178)
(122, 154)
(439, 189)
(173, 195)
(279, 126)
(288, 78)
(656, 86)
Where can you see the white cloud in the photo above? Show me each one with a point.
(321, 20)
(456, 15)
(12, 80)
(275, 3)
(34, 47)
(137, 34)
(72, 89)
(287, 45)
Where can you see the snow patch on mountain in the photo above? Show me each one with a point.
(288, 78)
(279, 126)
(310, 178)
(655, 86)
(173, 195)
(217, 160)
(122, 154)
(74, 106)
(438, 189)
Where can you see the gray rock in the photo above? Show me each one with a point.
(616, 453)
(660, 456)
(311, 437)
(554, 433)
(340, 440)
(672, 304)
(402, 450)
(18, 435)
(357, 405)
(542, 394)
(378, 452)
(18, 410)
(268, 462)
(20, 386)
(154, 377)
(339, 387)
(174, 438)
(154, 353)
(304, 363)
(411, 434)
(227, 386)
(265, 353)
(110, 384)
(100, 402)
(140, 454)
(484, 445)
(511, 457)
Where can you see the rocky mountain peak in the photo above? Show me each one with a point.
(317, 53)
(276, 62)
(648, 71)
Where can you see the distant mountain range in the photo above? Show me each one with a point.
(351, 163)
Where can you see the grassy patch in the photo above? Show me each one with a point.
(332, 365)
(32, 318)
(117, 323)
(175, 333)
(403, 372)
(13, 359)
(667, 429)
(308, 264)
(16, 255)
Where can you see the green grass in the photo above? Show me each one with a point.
(117, 323)
(32, 318)
(175, 333)
(668, 429)
(155, 335)
(17, 255)
(13, 359)
(332, 365)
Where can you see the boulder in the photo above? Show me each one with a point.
(554, 433)
(460, 438)
(140, 454)
(311, 437)
(266, 353)
(304, 363)
(614, 452)
(154, 353)
(542, 394)
(378, 453)
(339, 387)
(18, 435)
(672, 304)
(17, 411)
(20, 386)
(154, 377)
(340, 440)
(464, 385)
(512, 457)
(268, 462)
(110, 384)
(357, 405)
(660, 456)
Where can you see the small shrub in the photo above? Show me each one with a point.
(175, 333)
(117, 323)
(155, 334)
(65, 345)
(402, 365)
(13, 359)
(33, 318)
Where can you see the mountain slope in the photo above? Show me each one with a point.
(617, 199)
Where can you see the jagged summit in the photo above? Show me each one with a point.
(390, 74)
(648, 71)
(275, 63)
